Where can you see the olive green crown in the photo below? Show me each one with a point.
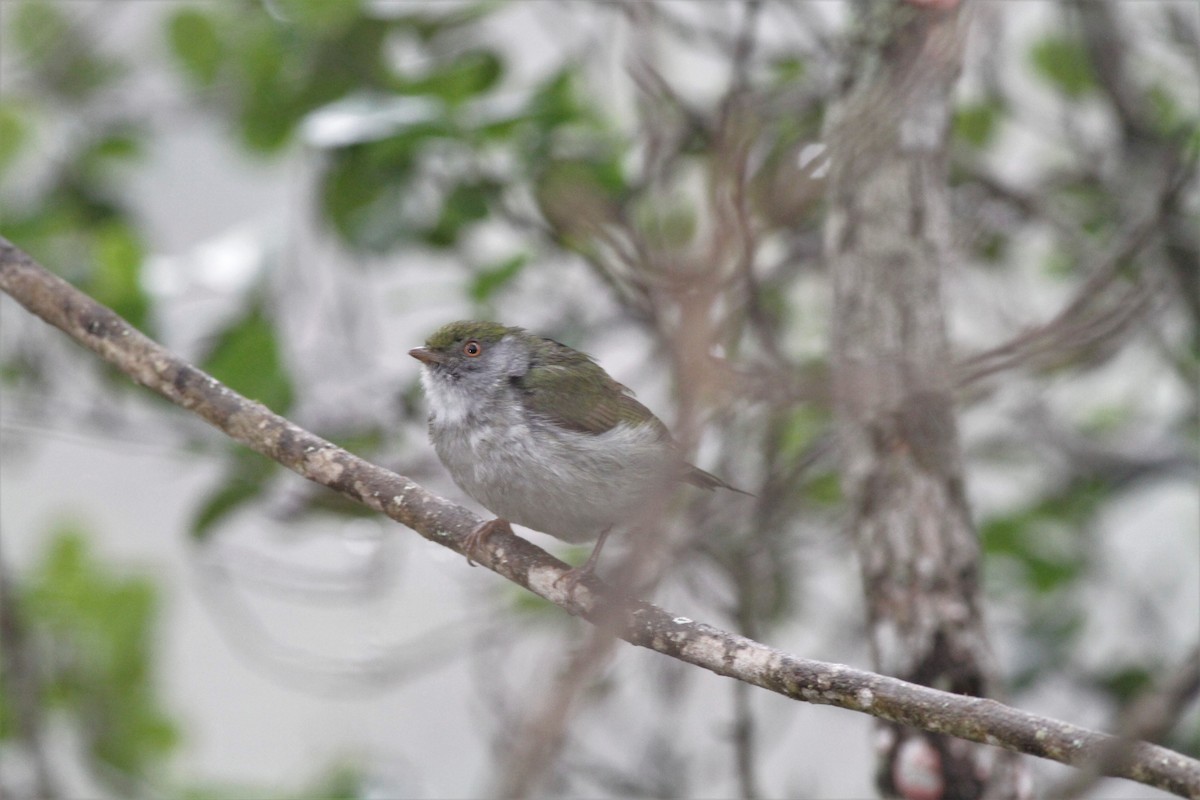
(487, 332)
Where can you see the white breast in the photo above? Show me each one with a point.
(571, 485)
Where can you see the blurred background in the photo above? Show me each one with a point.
(293, 193)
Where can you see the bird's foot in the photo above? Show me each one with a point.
(572, 577)
(478, 537)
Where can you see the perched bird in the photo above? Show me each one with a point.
(542, 436)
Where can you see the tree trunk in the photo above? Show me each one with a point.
(887, 241)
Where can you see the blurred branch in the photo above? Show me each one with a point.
(536, 744)
(1148, 146)
(1108, 54)
(1150, 716)
(1080, 325)
(973, 718)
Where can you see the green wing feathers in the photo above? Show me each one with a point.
(568, 388)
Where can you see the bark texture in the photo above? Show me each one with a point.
(887, 241)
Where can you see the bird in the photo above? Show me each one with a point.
(542, 436)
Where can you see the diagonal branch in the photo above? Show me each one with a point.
(252, 424)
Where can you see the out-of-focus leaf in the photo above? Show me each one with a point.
(100, 624)
(1060, 264)
(1064, 63)
(449, 19)
(796, 429)
(37, 28)
(244, 481)
(1171, 119)
(490, 280)
(1053, 629)
(116, 274)
(106, 152)
(363, 190)
(247, 358)
(196, 43)
(268, 118)
(788, 70)
(344, 782)
(62, 58)
(353, 62)
(267, 111)
(465, 204)
(319, 17)
(532, 607)
(468, 75)
(1126, 682)
(976, 123)
(992, 247)
(13, 132)
(1044, 538)
(555, 102)
(825, 489)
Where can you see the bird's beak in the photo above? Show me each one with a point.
(426, 356)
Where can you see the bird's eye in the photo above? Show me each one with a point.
(472, 348)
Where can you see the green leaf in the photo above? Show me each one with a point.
(490, 280)
(794, 429)
(976, 123)
(1059, 263)
(364, 187)
(992, 247)
(342, 782)
(247, 358)
(116, 275)
(268, 118)
(104, 153)
(470, 74)
(465, 204)
(1127, 682)
(195, 42)
(60, 54)
(100, 625)
(1064, 63)
(37, 29)
(269, 82)
(556, 103)
(788, 70)
(319, 17)
(244, 481)
(825, 489)
(1045, 537)
(13, 133)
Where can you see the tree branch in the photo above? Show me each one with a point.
(252, 424)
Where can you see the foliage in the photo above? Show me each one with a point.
(74, 218)
(94, 628)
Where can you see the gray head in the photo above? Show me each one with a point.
(467, 363)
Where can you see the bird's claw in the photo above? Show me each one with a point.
(478, 537)
(572, 577)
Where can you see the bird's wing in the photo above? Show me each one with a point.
(567, 388)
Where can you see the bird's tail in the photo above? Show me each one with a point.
(706, 480)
